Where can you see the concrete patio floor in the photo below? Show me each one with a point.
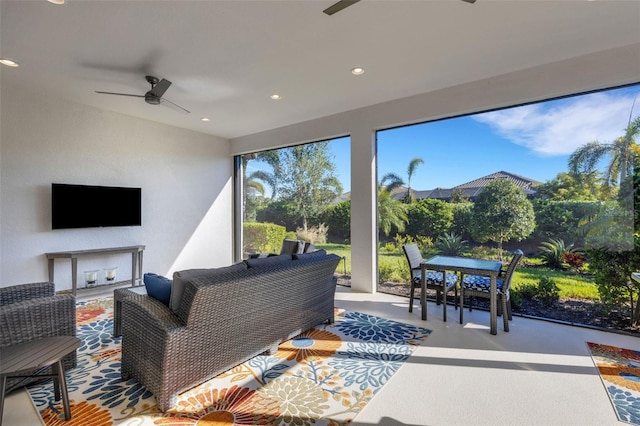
(540, 373)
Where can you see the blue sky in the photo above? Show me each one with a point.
(534, 140)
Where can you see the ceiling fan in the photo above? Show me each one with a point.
(341, 4)
(153, 96)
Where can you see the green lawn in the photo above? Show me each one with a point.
(393, 267)
(571, 285)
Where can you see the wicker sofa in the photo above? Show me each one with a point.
(225, 317)
(33, 311)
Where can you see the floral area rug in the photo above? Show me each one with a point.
(620, 373)
(325, 376)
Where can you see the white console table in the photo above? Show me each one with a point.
(136, 262)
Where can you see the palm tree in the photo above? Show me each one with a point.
(391, 213)
(621, 152)
(413, 165)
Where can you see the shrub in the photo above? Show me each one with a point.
(314, 235)
(262, 237)
(393, 270)
(429, 217)
(612, 271)
(424, 243)
(451, 244)
(389, 247)
(484, 252)
(547, 292)
(526, 291)
(337, 217)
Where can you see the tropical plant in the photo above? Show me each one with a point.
(553, 251)
(391, 212)
(451, 244)
(410, 197)
(576, 261)
(501, 213)
(620, 153)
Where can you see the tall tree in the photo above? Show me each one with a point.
(502, 212)
(307, 180)
(391, 212)
(575, 187)
(411, 169)
(253, 183)
(620, 153)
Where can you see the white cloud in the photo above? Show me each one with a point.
(559, 127)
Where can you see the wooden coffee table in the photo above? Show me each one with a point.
(18, 360)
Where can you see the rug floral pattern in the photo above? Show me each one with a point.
(325, 376)
(620, 373)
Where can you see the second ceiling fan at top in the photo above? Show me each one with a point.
(341, 4)
(153, 96)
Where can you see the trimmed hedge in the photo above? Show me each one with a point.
(263, 237)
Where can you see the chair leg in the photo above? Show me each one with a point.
(455, 303)
(509, 309)
(411, 293)
(505, 316)
(461, 303)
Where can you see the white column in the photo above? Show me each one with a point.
(364, 267)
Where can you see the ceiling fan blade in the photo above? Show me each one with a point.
(120, 94)
(337, 7)
(470, 1)
(159, 88)
(175, 107)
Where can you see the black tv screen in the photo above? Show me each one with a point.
(86, 206)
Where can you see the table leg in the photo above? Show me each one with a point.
(493, 306)
(74, 275)
(444, 295)
(3, 385)
(50, 265)
(134, 268)
(423, 293)
(140, 266)
(62, 384)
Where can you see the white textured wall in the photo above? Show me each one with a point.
(185, 179)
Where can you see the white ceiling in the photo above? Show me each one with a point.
(225, 58)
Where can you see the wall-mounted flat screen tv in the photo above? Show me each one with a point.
(86, 206)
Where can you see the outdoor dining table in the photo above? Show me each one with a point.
(462, 265)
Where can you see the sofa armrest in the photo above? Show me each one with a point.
(21, 292)
(147, 317)
(37, 318)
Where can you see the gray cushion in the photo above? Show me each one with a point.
(181, 278)
(268, 261)
(311, 255)
(291, 246)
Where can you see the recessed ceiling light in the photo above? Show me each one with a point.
(357, 71)
(56, 1)
(205, 119)
(9, 62)
(276, 97)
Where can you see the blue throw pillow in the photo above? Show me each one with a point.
(158, 287)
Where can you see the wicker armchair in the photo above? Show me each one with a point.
(33, 311)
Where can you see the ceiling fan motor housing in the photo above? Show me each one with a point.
(152, 99)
